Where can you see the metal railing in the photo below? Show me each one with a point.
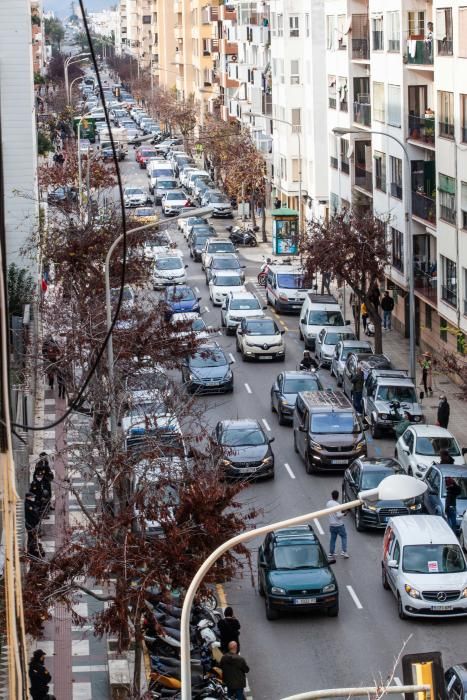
(394, 45)
(422, 128)
(449, 295)
(363, 178)
(445, 47)
(361, 48)
(447, 213)
(362, 113)
(419, 52)
(332, 102)
(425, 283)
(424, 207)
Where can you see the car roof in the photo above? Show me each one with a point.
(225, 256)
(219, 240)
(291, 373)
(338, 329)
(292, 535)
(395, 381)
(243, 295)
(259, 319)
(369, 464)
(431, 431)
(355, 344)
(454, 470)
(423, 529)
(376, 360)
(240, 423)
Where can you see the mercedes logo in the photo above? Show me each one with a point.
(304, 592)
(441, 596)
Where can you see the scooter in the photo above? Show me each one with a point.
(243, 236)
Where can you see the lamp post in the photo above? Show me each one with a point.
(80, 175)
(69, 96)
(72, 59)
(394, 487)
(340, 131)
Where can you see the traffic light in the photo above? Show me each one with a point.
(424, 669)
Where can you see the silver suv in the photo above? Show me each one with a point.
(387, 395)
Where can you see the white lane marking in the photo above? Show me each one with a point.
(207, 309)
(318, 526)
(354, 597)
(291, 474)
(397, 680)
(197, 290)
(232, 358)
(247, 387)
(220, 333)
(266, 424)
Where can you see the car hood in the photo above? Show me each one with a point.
(170, 274)
(261, 340)
(175, 202)
(428, 460)
(210, 372)
(391, 504)
(433, 582)
(290, 398)
(217, 289)
(328, 349)
(183, 305)
(337, 439)
(413, 409)
(301, 578)
(246, 453)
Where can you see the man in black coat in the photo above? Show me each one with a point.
(444, 411)
(39, 676)
(387, 304)
(234, 669)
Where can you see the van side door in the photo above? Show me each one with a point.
(394, 555)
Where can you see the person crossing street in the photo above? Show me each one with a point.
(336, 528)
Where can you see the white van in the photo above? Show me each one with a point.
(318, 311)
(285, 289)
(158, 170)
(424, 566)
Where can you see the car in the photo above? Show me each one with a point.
(173, 201)
(367, 473)
(62, 195)
(134, 197)
(316, 312)
(203, 186)
(144, 215)
(260, 339)
(419, 446)
(208, 371)
(144, 154)
(327, 340)
(294, 573)
(455, 679)
(159, 244)
(190, 323)
(221, 284)
(146, 384)
(184, 225)
(181, 300)
(434, 498)
(162, 185)
(224, 263)
(367, 362)
(341, 353)
(125, 318)
(197, 239)
(286, 388)
(217, 245)
(168, 269)
(221, 204)
(246, 449)
(237, 306)
(385, 391)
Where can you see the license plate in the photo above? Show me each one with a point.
(246, 470)
(265, 357)
(304, 601)
(339, 461)
(442, 607)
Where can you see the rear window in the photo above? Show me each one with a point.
(244, 304)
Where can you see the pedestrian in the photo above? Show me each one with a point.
(444, 411)
(229, 630)
(32, 522)
(234, 669)
(445, 457)
(43, 465)
(453, 490)
(61, 384)
(42, 491)
(277, 203)
(51, 377)
(39, 676)
(425, 364)
(387, 304)
(336, 528)
(358, 381)
(327, 282)
(364, 314)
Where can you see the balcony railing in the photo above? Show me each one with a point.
(361, 48)
(362, 113)
(449, 295)
(447, 213)
(424, 207)
(344, 107)
(425, 283)
(345, 167)
(422, 128)
(334, 162)
(446, 130)
(332, 102)
(394, 45)
(396, 190)
(363, 178)
(419, 52)
(444, 47)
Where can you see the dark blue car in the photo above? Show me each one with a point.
(181, 299)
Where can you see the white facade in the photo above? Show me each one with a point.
(104, 22)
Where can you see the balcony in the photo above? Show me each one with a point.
(424, 207)
(419, 52)
(362, 113)
(422, 129)
(332, 102)
(444, 47)
(227, 12)
(449, 295)
(396, 190)
(363, 179)
(345, 167)
(334, 162)
(378, 41)
(425, 284)
(361, 49)
(228, 48)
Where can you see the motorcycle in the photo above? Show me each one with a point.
(243, 236)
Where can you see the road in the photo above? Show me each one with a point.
(303, 652)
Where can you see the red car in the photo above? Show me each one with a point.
(143, 154)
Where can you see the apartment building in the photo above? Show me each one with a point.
(39, 53)
(396, 75)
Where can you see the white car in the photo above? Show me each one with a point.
(173, 201)
(197, 325)
(184, 224)
(418, 448)
(221, 284)
(341, 353)
(237, 306)
(213, 246)
(260, 339)
(146, 385)
(327, 340)
(168, 269)
(160, 243)
(134, 197)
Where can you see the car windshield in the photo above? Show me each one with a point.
(169, 444)
(218, 199)
(220, 247)
(210, 357)
(325, 318)
(200, 239)
(168, 264)
(261, 328)
(291, 281)
(299, 556)
(160, 239)
(431, 446)
(198, 325)
(404, 394)
(298, 384)
(148, 154)
(333, 422)
(225, 264)
(193, 220)
(176, 195)
(461, 481)
(243, 437)
(245, 304)
(346, 351)
(148, 408)
(233, 281)
(166, 184)
(433, 559)
(178, 294)
(134, 190)
(372, 479)
(333, 338)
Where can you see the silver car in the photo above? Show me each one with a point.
(341, 353)
(327, 340)
(221, 204)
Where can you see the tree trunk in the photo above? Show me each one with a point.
(377, 322)
(253, 211)
(264, 233)
(138, 659)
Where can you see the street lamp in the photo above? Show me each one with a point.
(71, 87)
(80, 176)
(72, 59)
(341, 131)
(394, 487)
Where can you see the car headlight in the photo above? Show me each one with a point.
(315, 445)
(267, 460)
(283, 297)
(225, 462)
(228, 374)
(329, 588)
(421, 467)
(417, 419)
(360, 445)
(367, 506)
(383, 416)
(412, 592)
(284, 402)
(275, 590)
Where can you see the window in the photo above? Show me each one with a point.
(334, 203)
(344, 155)
(394, 105)
(464, 204)
(294, 30)
(294, 73)
(444, 31)
(464, 118)
(307, 24)
(341, 36)
(378, 102)
(428, 321)
(331, 30)
(333, 160)
(283, 168)
(296, 119)
(380, 170)
(443, 330)
(416, 21)
(342, 90)
(281, 70)
(463, 32)
(447, 198)
(394, 31)
(397, 249)
(396, 177)
(295, 170)
(280, 24)
(449, 281)
(446, 114)
(465, 292)
(332, 92)
(273, 24)
(377, 36)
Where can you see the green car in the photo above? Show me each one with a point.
(294, 573)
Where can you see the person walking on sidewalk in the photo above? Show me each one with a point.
(234, 669)
(358, 381)
(387, 304)
(364, 314)
(32, 522)
(51, 377)
(444, 411)
(39, 676)
(425, 364)
(336, 528)
(61, 384)
(229, 630)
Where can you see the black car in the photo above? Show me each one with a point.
(197, 238)
(285, 389)
(246, 449)
(367, 473)
(208, 371)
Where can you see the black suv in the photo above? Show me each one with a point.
(294, 573)
(246, 449)
(197, 238)
(208, 371)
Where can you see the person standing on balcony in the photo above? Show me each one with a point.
(429, 38)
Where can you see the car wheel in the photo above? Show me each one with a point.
(295, 442)
(261, 588)
(400, 608)
(309, 466)
(358, 520)
(375, 432)
(273, 410)
(271, 613)
(268, 301)
(333, 611)
(280, 416)
(237, 346)
(300, 334)
(384, 578)
(281, 358)
(395, 453)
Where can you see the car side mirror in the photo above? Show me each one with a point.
(347, 323)
(240, 332)
(272, 439)
(262, 563)
(303, 320)
(282, 332)
(198, 298)
(265, 307)
(422, 395)
(302, 429)
(392, 564)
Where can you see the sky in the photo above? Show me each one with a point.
(62, 8)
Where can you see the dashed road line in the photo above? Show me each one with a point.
(291, 474)
(232, 358)
(207, 309)
(397, 680)
(247, 387)
(197, 290)
(354, 597)
(266, 424)
(318, 526)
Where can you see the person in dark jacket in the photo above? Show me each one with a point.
(39, 676)
(445, 457)
(444, 411)
(453, 490)
(43, 465)
(234, 669)
(358, 381)
(229, 629)
(387, 304)
(42, 491)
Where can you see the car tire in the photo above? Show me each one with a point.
(384, 579)
(395, 453)
(280, 417)
(333, 611)
(281, 358)
(244, 357)
(261, 588)
(237, 346)
(339, 381)
(295, 442)
(400, 608)
(273, 410)
(309, 466)
(358, 520)
(271, 613)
